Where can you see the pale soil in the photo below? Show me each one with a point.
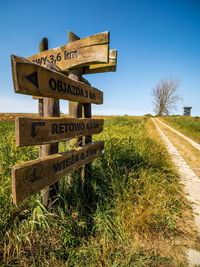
(189, 153)
(186, 160)
(189, 238)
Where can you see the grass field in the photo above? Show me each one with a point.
(12, 116)
(131, 213)
(189, 126)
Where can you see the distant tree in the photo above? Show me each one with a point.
(164, 96)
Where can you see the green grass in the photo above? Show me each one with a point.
(189, 126)
(117, 218)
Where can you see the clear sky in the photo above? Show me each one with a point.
(154, 39)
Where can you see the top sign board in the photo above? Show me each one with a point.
(91, 50)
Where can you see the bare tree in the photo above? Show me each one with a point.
(164, 96)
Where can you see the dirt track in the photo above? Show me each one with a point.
(185, 154)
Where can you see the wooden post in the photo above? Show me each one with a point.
(42, 47)
(88, 139)
(40, 110)
(87, 172)
(75, 109)
(48, 107)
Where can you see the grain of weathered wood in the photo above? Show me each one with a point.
(111, 66)
(42, 46)
(75, 109)
(37, 131)
(51, 109)
(88, 167)
(32, 79)
(40, 107)
(31, 177)
(48, 107)
(93, 49)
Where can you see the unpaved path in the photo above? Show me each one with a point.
(188, 150)
(193, 143)
(190, 180)
(188, 177)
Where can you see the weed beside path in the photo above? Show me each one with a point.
(187, 125)
(131, 213)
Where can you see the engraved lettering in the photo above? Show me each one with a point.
(71, 127)
(70, 55)
(44, 60)
(81, 93)
(58, 57)
(67, 162)
(34, 124)
(51, 58)
(59, 85)
(38, 61)
(92, 96)
(64, 89)
(54, 128)
(61, 128)
(52, 84)
(67, 88)
(82, 126)
(59, 166)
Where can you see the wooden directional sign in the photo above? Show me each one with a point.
(90, 50)
(106, 67)
(38, 131)
(32, 79)
(33, 176)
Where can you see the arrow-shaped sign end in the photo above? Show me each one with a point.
(33, 78)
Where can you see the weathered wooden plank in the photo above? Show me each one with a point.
(38, 131)
(32, 79)
(111, 66)
(31, 177)
(90, 50)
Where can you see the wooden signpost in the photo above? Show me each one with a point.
(90, 50)
(31, 177)
(30, 78)
(38, 131)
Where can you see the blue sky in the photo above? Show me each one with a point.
(154, 39)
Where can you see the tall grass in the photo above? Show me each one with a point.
(132, 202)
(187, 125)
